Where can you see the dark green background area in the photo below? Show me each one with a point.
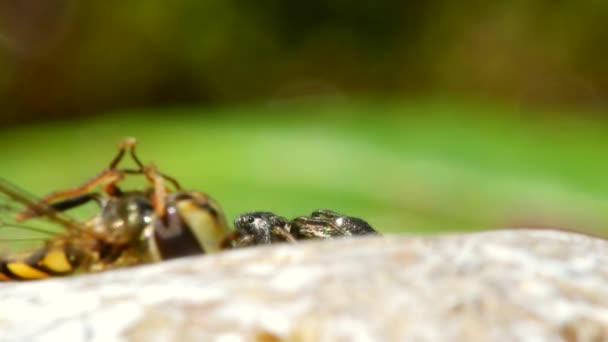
(66, 58)
(415, 166)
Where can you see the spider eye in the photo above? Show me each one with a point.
(250, 219)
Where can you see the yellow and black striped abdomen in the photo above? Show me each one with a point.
(43, 263)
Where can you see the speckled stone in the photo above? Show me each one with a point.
(510, 285)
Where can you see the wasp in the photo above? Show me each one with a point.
(132, 227)
(259, 228)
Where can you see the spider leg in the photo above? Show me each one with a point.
(325, 213)
(279, 231)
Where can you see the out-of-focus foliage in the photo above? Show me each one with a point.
(63, 57)
(419, 167)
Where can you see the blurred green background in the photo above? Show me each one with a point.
(419, 117)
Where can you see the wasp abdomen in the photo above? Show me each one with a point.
(43, 263)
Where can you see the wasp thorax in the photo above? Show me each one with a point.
(124, 218)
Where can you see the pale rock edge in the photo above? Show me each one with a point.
(533, 285)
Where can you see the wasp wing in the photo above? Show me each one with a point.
(49, 222)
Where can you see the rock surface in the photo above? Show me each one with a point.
(494, 286)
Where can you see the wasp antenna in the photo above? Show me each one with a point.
(131, 143)
(127, 143)
(114, 163)
(171, 180)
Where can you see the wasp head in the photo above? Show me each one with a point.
(192, 223)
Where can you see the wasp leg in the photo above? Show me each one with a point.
(160, 190)
(108, 177)
(76, 201)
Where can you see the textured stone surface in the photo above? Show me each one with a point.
(494, 286)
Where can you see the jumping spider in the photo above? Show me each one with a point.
(259, 228)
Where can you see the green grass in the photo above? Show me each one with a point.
(407, 167)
